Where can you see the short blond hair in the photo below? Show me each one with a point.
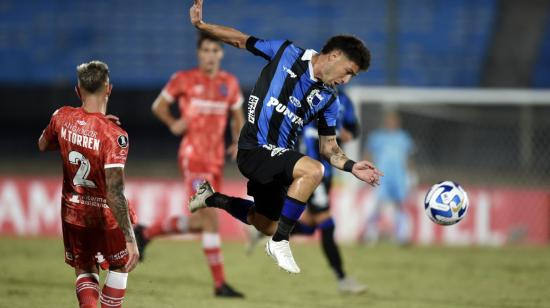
(92, 75)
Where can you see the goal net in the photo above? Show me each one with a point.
(495, 143)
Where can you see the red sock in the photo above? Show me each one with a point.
(87, 290)
(111, 297)
(173, 225)
(112, 294)
(213, 253)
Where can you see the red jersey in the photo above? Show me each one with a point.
(204, 103)
(88, 143)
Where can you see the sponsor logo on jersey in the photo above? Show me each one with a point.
(252, 102)
(122, 141)
(206, 106)
(280, 108)
(80, 122)
(289, 72)
(275, 150)
(295, 101)
(314, 98)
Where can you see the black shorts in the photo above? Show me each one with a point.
(269, 171)
(320, 199)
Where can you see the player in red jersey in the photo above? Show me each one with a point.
(205, 96)
(96, 219)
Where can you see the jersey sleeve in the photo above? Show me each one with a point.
(326, 122)
(266, 49)
(174, 87)
(236, 99)
(349, 118)
(50, 132)
(116, 150)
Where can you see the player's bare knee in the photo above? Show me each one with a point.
(315, 172)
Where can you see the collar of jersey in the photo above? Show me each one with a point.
(308, 54)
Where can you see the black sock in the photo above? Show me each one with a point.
(331, 251)
(237, 207)
(284, 228)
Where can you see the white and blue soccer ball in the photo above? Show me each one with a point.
(446, 203)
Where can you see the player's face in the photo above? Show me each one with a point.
(210, 55)
(339, 69)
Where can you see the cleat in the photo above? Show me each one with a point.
(198, 201)
(227, 291)
(254, 238)
(141, 241)
(351, 286)
(280, 252)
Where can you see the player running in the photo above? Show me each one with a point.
(205, 95)
(294, 88)
(317, 214)
(96, 219)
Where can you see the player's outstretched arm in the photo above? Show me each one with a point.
(228, 35)
(363, 170)
(114, 178)
(45, 145)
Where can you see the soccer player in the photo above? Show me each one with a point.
(206, 95)
(295, 87)
(317, 214)
(96, 220)
(391, 147)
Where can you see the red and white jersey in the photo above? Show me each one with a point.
(88, 143)
(204, 104)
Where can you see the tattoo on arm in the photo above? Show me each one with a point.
(332, 152)
(114, 178)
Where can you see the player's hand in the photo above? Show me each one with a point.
(133, 256)
(179, 127)
(195, 13)
(367, 172)
(113, 118)
(232, 150)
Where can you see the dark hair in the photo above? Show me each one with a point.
(92, 75)
(352, 47)
(203, 36)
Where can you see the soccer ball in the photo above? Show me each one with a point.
(446, 203)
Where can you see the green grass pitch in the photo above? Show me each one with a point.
(33, 274)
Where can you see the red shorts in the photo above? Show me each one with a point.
(86, 247)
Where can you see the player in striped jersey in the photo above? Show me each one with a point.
(294, 88)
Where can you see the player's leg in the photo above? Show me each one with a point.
(401, 220)
(78, 256)
(113, 248)
(211, 244)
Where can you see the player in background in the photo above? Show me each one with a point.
(96, 219)
(206, 95)
(294, 88)
(317, 214)
(391, 147)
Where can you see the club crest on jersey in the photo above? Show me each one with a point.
(80, 122)
(314, 98)
(122, 141)
(223, 90)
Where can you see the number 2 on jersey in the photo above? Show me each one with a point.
(79, 179)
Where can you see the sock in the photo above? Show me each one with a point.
(303, 229)
(113, 291)
(237, 207)
(211, 245)
(330, 248)
(87, 290)
(172, 225)
(292, 210)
